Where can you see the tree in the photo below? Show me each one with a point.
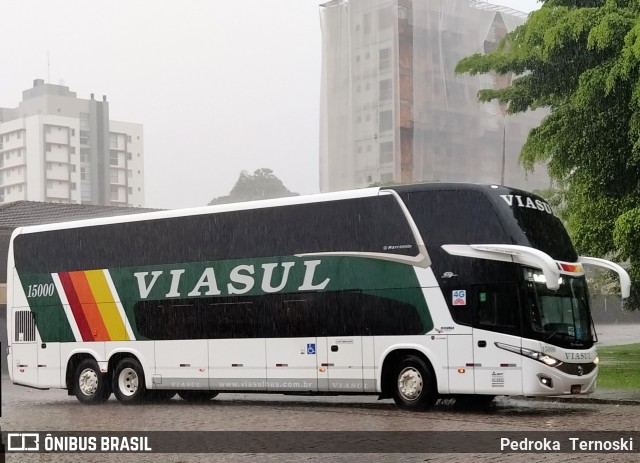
(263, 184)
(581, 59)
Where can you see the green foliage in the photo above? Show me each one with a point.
(581, 60)
(263, 184)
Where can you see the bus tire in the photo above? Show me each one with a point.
(197, 396)
(90, 385)
(415, 385)
(128, 382)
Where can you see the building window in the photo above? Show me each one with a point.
(129, 173)
(385, 121)
(19, 134)
(19, 188)
(386, 152)
(384, 58)
(129, 156)
(83, 173)
(114, 176)
(73, 168)
(129, 138)
(113, 158)
(403, 12)
(130, 190)
(73, 132)
(385, 90)
(366, 20)
(73, 186)
(72, 149)
(84, 137)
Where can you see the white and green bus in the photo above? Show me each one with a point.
(412, 293)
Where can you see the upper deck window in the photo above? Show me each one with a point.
(371, 224)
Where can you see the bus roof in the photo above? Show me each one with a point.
(239, 206)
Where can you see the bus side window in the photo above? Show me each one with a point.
(497, 309)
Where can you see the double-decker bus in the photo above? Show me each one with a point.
(412, 293)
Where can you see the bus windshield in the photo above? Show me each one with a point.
(559, 317)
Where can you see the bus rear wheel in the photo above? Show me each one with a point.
(128, 382)
(415, 386)
(89, 384)
(197, 396)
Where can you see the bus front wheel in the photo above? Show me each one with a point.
(128, 382)
(415, 386)
(90, 385)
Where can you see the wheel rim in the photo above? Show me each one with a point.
(128, 382)
(88, 381)
(410, 384)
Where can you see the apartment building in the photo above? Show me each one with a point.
(56, 147)
(392, 107)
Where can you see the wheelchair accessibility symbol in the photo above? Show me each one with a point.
(311, 349)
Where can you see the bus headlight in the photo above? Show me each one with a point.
(532, 354)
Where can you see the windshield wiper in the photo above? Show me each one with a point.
(552, 335)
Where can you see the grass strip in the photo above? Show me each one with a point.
(619, 367)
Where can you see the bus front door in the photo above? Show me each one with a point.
(497, 371)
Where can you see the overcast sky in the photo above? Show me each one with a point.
(220, 87)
